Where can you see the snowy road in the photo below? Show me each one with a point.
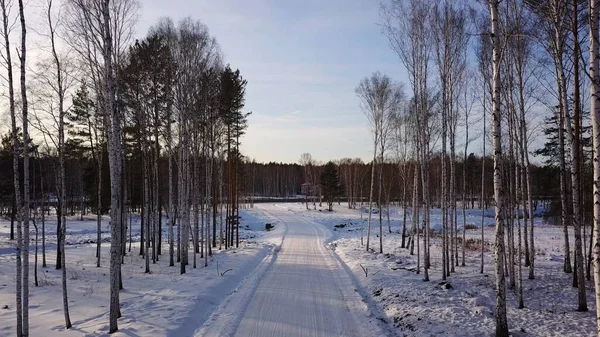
(304, 291)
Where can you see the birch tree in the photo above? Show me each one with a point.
(554, 17)
(467, 105)
(6, 5)
(26, 197)
(573, 137)
(450, 40)
(501, 322)
(595, 112)
(98, 30)
(59, 82)
(405, 26)
(166, 30)
(379, 99)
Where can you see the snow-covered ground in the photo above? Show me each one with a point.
(418, 308)
(162, 303)
(312, 259)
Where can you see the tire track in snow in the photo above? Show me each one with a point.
(302, 291)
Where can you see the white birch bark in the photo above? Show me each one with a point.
(464, 182)
(60, 90)
(171, 213)
(573, 138)
(415, 211)
(26, 197)
(115, 164)
(595, 112)
(557, 55)
(370, 210)
(501, 322)
(15, 162)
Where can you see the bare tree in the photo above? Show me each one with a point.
(554, 17)
(450, 40)
(98, 32)
(379, 98)
(307, 162)
(60, 82)
(405, 25)
(6, 5)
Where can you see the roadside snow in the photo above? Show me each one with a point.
(162, 303)
(416, 308)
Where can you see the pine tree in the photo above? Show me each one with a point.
(231, 103)
(330, 183)
(85, 126)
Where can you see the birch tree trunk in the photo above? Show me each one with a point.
(43, 216)
(99, 208)
(415, 212)
(209, 175)
(501, 322)
(575, 167)
(426, 206)
(509, 201)
(15, 162)
(146, 165)
(371, 194)
(519, 182)
(220, 174)
(171, 212)
(155, 190)
(379, 199)
(444, 186)
(464, 185)
(60, 90)
(115, 165)
(481, 203)
(26, 201)
(595, 112)
(453, 215)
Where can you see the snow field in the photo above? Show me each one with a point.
(417, 308)
(278, 276)
(162, 303)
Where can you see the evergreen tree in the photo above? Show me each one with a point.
(330, 183)
(232, 101)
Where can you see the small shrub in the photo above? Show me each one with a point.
(88, 291)
(474, 245)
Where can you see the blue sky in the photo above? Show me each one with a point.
(302, 60)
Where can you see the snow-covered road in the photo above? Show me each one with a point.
(304, 291)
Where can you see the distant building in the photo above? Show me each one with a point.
(305, 189)
(310, 189)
